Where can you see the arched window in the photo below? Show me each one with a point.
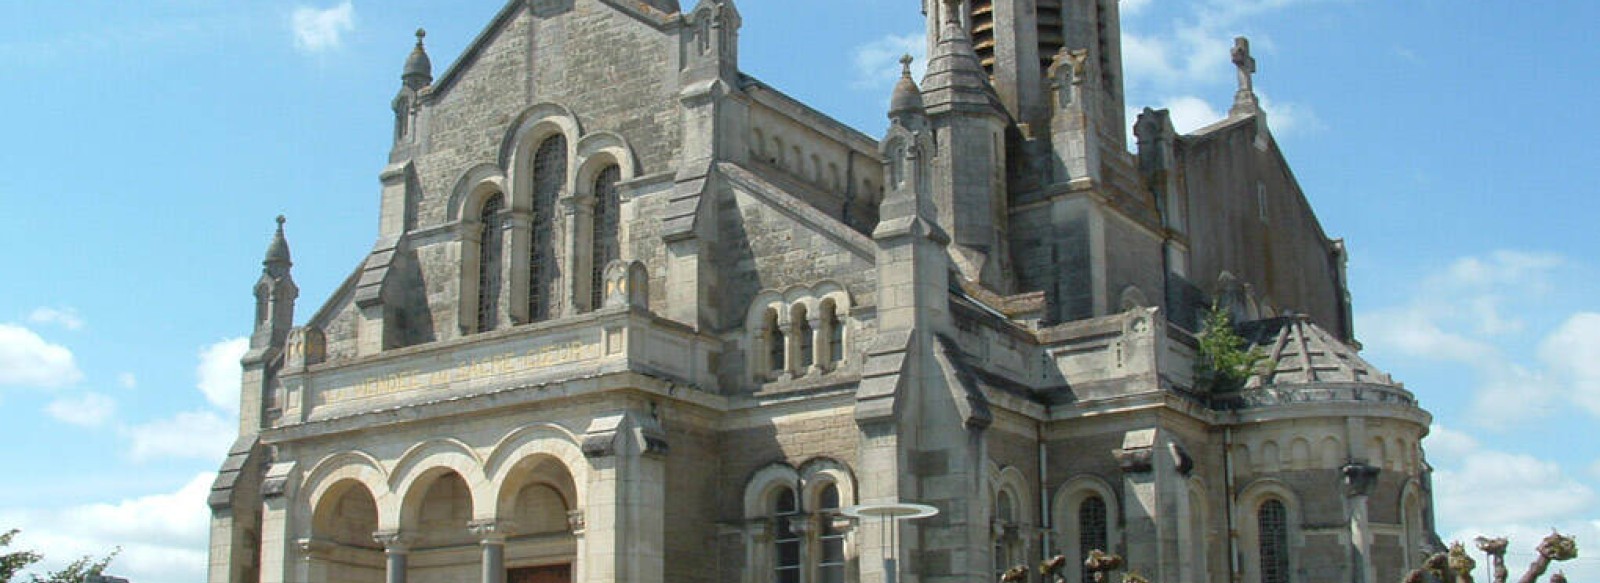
(835, 328)
(1091, 529)
(785, 539)
(492, 223)
(1273, 529)
(775, 364)
(803, 338)
(607, 247)
(549, 176)
(1005, 514)
(830, 539)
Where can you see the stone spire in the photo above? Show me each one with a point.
(907, 98)
(419, 68)
(1244, 100)
(955, 76)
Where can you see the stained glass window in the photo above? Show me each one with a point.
(1091, 529)
(607, 248)
(1273, 523)
(549, 177)
(493, 224)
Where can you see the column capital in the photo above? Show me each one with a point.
(576, 522)
(393, 541)
(490, 531)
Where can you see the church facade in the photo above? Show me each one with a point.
(634, 315)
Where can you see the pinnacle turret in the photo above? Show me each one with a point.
(907, 98)
(419, 68)
(277, 261)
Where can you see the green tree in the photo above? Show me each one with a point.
(12, 563)
(1222, 363)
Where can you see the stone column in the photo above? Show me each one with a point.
(818, 346)
(515, 243)
(577, 243)
(394, 552)
(578, 526)
(491, 536)
(1358, 482)
(791, 352)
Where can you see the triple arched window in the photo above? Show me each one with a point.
(799, 336)
(534, 258)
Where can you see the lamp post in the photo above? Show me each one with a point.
(888, 516)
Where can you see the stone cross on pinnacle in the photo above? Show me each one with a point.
(1245, 63)
(1245, 100)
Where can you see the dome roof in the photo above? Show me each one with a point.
(419, 68)
(1299, 352)
(907, 97)
(278, 250)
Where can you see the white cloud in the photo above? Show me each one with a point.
(219, 372)
(128, 381)
(1464, 312)
(87, 410)
(64, 317)
(28, 360)
(1572, 353)
(162, 536)
(317, 30)
(877, 63)
(198, 435)
(1480, 492)
(1447, 445)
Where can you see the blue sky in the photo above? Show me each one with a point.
(149, 144)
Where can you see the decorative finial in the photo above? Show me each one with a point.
(281, 221)
(421, 34)
(905, 66)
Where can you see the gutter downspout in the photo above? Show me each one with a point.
(1044, 495)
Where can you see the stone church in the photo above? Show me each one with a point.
(634, 315)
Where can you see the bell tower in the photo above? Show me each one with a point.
(1017, 42)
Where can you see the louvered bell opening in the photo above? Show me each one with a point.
(983, 33)
(1051, 32)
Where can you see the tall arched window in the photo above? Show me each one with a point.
(549, 176)
(1005, 513)
(775, 364)
(1091, 529)
(830, 539)
(492, 223)
(1273, 529)
(835, 328)
(785, 540)
(607, 247)
(803, 338)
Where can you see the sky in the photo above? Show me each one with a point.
(149, 144)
